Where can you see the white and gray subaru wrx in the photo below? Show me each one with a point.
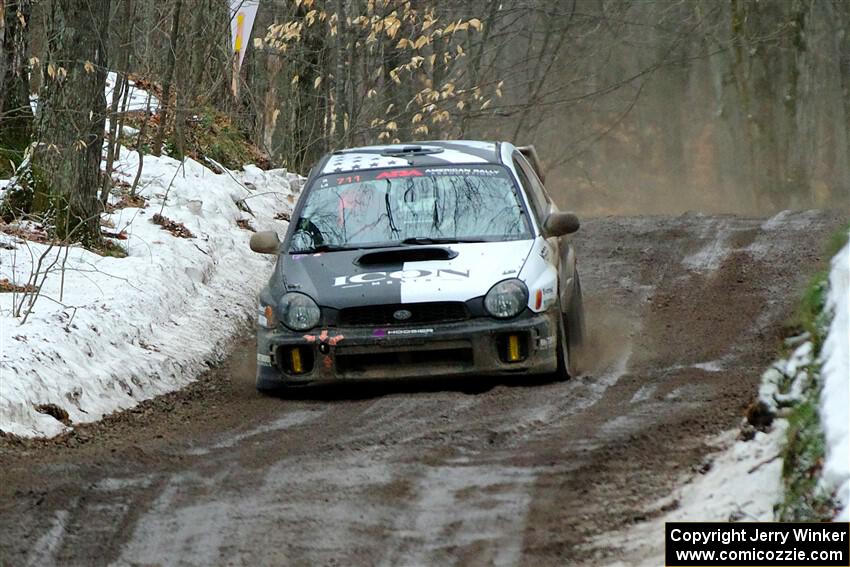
(430, 259)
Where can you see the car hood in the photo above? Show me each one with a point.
(351, 278)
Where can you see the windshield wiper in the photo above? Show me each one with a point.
(342, 247)
(322, 248)
(429, 240)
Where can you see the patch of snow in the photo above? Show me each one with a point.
(116, 484)
(109, 332)
(213, 526)
(710, 256)
(137, 99)
(443, 518)
(768, 241)
(707, 366)
(643, 394)
(785, 382)
(44, 550)
(190, 529)
(790, 219)
(835, 396)
(710, 366)
(291, 419)
(743, 484)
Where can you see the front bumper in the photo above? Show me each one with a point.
(475, 346)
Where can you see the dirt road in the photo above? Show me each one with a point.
(684, 313)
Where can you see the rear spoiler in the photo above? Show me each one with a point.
(531, 155)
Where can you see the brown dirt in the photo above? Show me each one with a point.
(684, 314)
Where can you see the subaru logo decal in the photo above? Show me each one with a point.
(402, 315)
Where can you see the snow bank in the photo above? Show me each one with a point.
(108, 332)
(835, 396)
(773, 393)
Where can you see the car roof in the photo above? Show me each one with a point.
(430, 153)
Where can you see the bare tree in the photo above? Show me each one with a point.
(15, 115)
(634, 106)
(171, 58)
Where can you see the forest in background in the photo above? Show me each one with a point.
(634, 106)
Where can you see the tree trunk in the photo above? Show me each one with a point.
(15, 114)
(120, 91)
(339, 110)
(169, 76)
(66, 161)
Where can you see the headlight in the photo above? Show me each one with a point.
(298, 311)
(506, 299)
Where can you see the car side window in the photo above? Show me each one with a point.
(536, 194)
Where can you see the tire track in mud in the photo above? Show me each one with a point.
(684, 313)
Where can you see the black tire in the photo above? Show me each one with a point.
(268, 381)
(576, 332)
(268, 387)
(562, 373)
(571, 336)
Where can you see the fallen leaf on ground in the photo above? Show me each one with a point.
(178, 229)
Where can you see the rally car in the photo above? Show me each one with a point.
(442, 258)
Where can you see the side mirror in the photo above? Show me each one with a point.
(265, 242)
(560, 224)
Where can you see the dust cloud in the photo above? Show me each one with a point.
(665, 108)
(609, 336)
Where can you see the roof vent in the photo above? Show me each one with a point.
(410, 151)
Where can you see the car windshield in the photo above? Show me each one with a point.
(410, 206)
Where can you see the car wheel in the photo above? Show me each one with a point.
(563, 371)
(575, 328)
(268, 381)
(267, 387)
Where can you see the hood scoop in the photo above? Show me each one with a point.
(402, 255)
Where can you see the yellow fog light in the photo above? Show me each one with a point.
(513, 348)
(295, 359)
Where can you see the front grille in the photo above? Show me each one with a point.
(404, 363)
(374, 315)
